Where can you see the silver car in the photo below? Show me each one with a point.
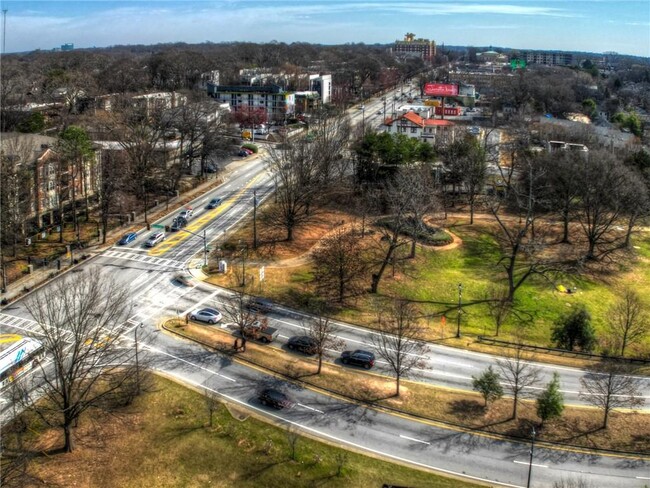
(154, 239)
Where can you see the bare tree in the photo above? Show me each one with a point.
(212, 403)
(292, 441)
(236, 308)
(422, 201)
(297, 175)
(399, 339)
(323, 333)
(499, 305)
(607, 187)
(80, 322)
(340, 264)
(611, 385)
(397, 198)
(628, 320)
(518, 374)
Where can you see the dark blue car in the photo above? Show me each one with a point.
(127, 238)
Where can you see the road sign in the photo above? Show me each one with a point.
(158, 226)
(262, 273)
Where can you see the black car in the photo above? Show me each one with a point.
(214, 203)
(275, 398)
(358, 358)
(304, 344)
(178, 223)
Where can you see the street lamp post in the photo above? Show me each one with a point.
(383, 99)
(363, 120)
(532, 453)
(460, 301)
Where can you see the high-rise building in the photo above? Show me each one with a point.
(323, 85)
(411, 46)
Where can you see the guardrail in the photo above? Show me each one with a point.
(560, 352)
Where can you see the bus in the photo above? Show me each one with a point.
(18, 355)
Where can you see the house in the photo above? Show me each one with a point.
(433, 131)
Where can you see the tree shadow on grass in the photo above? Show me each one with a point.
(179, 431)
(258, 470)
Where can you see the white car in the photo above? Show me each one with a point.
(154, 239)
(209, 315)
(187, 213)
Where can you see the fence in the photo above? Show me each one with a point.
(560, 352)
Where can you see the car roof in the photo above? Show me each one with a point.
(211, 310)
(155, 234)
(361, 352)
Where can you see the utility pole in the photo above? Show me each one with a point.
(254, 219)
(460, 302)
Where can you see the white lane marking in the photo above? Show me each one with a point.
(642, 478)
(339, 440)
(531, 464)
(129, 249)
(414, 439)
(309, 408)
(200, 302)
(160, 351)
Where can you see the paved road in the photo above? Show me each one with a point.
(156, 293)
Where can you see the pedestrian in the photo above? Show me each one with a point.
(243, 344)
(236, 345)
(187, 319)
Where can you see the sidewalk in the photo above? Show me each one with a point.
(43, 274)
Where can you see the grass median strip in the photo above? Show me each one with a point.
(165, 439)
(578, 427)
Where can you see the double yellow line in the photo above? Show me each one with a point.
(196, 225)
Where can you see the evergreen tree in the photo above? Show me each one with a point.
(487, 384)
(550, 402)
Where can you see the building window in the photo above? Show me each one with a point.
(414, 130)
(50, 185)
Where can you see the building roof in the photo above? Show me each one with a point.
(422, 122)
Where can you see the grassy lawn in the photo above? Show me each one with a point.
(577, 427)
(164, 440)
(434, 276)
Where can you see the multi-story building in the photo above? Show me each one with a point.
(410, 46)
(550, 58)
(47, 179)
(322, 84)
(273, 99)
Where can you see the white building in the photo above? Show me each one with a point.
(433, 131)
(323, 85)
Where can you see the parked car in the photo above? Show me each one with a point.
(275, 398)
(248, 151)
(214, 203)
(211, 168)
(209, 315)
(127, 238)
(154, 239)
(178, 223)
(304, 344)
(359, 357)
(259, 304)
(186, 213)
(242, 153)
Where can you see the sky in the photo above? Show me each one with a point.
(573, 25)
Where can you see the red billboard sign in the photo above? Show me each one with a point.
(440, 90)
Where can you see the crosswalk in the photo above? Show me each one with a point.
(144, 258)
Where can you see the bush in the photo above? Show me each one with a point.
(432, 236)
(251, 146)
